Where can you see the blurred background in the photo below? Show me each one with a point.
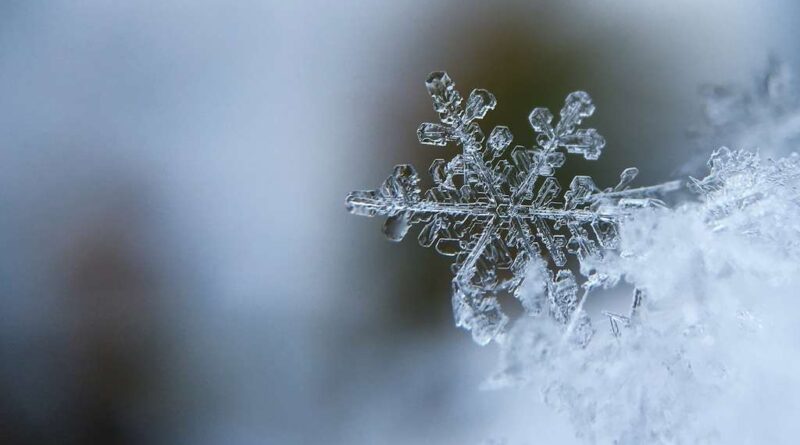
(176, 263)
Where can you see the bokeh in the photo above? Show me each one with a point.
(176, 262)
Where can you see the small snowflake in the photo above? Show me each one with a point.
(496, 211)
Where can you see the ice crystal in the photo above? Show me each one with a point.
(743, 183)
(500, 212)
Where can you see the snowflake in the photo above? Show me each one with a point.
(739, 181)
(496, 211)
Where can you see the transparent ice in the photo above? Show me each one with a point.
(500, 212)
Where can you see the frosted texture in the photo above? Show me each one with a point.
(710, 340)
(500, 212)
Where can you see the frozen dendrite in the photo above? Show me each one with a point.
(499, 211)
(743, 183)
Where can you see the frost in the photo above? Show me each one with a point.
(500, 212)
(696, 355)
